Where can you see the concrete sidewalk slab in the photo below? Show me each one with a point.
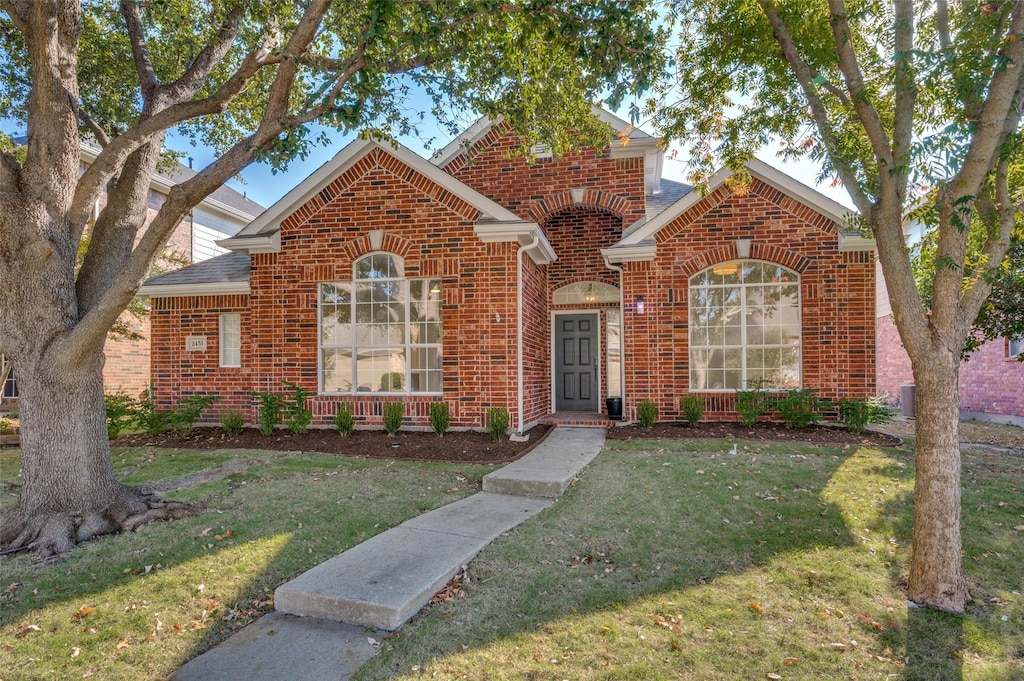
(278, 646)
(386, 580)
(551, 466)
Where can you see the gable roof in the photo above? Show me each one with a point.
(641, 143)
(638, 240)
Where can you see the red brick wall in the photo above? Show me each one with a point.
(990, 382)
(837, 297)
(432, 231)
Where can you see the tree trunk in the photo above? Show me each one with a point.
(936, 568)
(69, 492)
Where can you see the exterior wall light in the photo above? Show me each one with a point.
(640, 305)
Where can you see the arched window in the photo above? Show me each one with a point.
(381, 332)
(584, 292)
(745, 327)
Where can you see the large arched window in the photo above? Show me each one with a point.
(745, 327)
(381, 332)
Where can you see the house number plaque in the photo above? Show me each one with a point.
(195, 343)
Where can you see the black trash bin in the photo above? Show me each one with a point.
(614, 405)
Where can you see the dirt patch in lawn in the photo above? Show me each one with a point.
(773, 432)
(455, 446)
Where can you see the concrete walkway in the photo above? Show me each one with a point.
(326, 617)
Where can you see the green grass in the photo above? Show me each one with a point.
(672, 560)
(137, 606)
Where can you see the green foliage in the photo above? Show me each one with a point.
(148, 418)
(498, 422)
(439, 418)
(297, 416)
(268, 413)
(232, 421)
(344, 422)
(647, 413)
(393, 415)
(182, 419)
(799, 408)
(692, 408)
(752, 404)
(5, 423)
(122, 412)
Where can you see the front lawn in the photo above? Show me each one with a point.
(682, 560)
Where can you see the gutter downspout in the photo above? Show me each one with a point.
(622, 332)
(519, 323)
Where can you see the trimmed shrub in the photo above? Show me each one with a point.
(393, 415)
(122, 412)
(296, 416)
(498, 422)
(439, 418)
(856, 414)
(268, 414)
(647, 413)
(344, 422)
(692, 408)
(183, 417)
(232, 421)
(799, 408)
(152, 421)
(751, 404)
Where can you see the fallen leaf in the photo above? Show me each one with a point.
(676, 645)
(1019, 528)
(124, 643)
(788, 661)
(773, 677)
(206, 531)
(75, 652)
(226, 535)
(756, 607)
(838, 646)
(89, 673)
(25, 631)
(178, 627)
(89, 630)
(372, 641)
(83, 611)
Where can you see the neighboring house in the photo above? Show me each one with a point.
(990, 380)
(482, 281)
(219, 216)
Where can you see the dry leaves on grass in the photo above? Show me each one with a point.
(452, 589)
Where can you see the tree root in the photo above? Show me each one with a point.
(54, 533)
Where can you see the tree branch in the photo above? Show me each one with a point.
(905, 97)
(805, 76)
(140, 52)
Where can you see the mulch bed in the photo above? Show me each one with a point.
(477, 447)
(455, 446)
(769, 432)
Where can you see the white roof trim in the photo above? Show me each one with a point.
(851, 241)
(838, 213)
(260, 243)
(522, 233)
(269, 222)
(217, 288)
(633, 253)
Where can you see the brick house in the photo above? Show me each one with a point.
(990, 381)
(220, 215)
(481, 280)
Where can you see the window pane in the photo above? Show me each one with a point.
(230, 340)
(336, 370)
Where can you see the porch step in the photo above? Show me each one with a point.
(551, 467)
(574, 420)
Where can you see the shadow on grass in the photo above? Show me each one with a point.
(210, 574)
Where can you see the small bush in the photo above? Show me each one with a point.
(439, 418)
(647, 413)
(122, 412)
(692, 408)
(751, 404)
(393, 414)
(232, 421)
(800, 408)
(148, 418)
(498, 422)
(268, 414)
(856, 414)
(344, 422)
(5, 423)
(296, 416)
(183, 417)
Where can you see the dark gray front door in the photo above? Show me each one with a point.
(576, 362)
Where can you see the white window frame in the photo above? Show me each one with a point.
(1014, 346)
(743, 346)
(226, 319)
(407, 344)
